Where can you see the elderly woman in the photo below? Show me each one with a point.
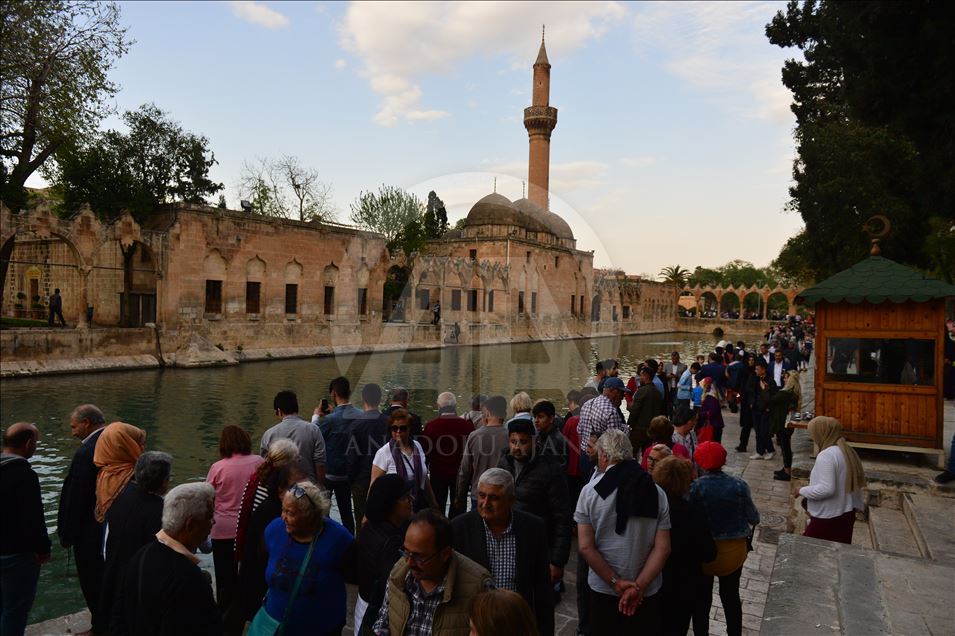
(117, 450)
(379, 542)
(404, 457)
(282, 452)
(163, 590)
(730, 512)
(229, 476)
(133, 520)
(835, 485)
(308, 555)
(684, 593)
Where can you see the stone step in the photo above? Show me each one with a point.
(931, 520)
(891, 532)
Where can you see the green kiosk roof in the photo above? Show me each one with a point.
(876, 280)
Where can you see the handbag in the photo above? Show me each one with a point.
(263, 624)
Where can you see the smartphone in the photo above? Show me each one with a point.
(324, 405)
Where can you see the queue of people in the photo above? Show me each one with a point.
(463, 524)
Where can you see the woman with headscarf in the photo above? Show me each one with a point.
(781, 405)
(835, 485)
(120, 445)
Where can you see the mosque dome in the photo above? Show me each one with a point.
(554, 223)
(496, 209)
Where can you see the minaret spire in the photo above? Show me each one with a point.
(539, 120)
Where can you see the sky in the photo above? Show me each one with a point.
(674, 136)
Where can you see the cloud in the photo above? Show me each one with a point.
(425, 115)
(720, 48)
(259, 14)
(638, 161)
(565, 178)
(399, 44)
(341, 63)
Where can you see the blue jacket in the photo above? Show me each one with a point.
(336, 428)
(684, 388)
(729, 508)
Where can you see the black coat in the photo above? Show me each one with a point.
(377, 545)
(533, 562)
(164, 594)
(23, 529)
(683, 580)
(542, 490)
(75, 520)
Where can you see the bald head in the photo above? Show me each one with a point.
(20, 439)
(85, 419)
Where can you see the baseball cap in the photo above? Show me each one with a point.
(616, 383)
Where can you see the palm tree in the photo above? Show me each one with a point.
(675, 275)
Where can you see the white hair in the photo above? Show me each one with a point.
(498, 477)
(447, 400)
(320, 503)
(521, 403)
(615, 446)
(283, 451)
(185, 502)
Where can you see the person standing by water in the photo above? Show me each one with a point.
(781, 405)
(24, 544)
(56, 308)
(76, 522)
(404, 457)
(760, 388)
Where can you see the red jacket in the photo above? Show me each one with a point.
(573, 445)
(443, 442)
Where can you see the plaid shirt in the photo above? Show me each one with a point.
(597, 416)
(423, 606)
(502, 553)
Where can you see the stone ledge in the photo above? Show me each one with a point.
(27, 368)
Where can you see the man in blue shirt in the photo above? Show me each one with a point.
(336, 428)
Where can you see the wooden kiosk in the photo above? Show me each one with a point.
(880, 329)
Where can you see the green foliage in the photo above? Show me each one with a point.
(394, 213)
(155, 162)
(940, 245)
(675, 275)
(222, 205)
(435, 217)
(54, 60)
(874, 130)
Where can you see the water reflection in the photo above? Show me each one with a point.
(183, 411)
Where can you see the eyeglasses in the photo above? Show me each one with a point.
(398, 429)
(417, 559)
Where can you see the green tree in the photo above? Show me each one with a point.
(55, 56)
(394, 213)
(675, 275)
(874, 130)
(436, 217)
(155, 162)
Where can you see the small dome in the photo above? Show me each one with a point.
(496, 209)
(561, 228)
(555, 224)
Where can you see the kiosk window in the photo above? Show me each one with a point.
(881, 361)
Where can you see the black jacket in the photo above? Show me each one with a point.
(542, 490)
(368, 433)
(23, 529)
(533, 562)
(75, 522)
(378, 545)
(164, 594)
(757, 398)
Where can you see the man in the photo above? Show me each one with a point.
(133, 520)
(399, 400)
(764, 353)
(482, 450)
(476, 414)
(600, 414)
(507, 543)
(611, 370)
(779, 365)
(684, 421)
(623, 529)
(541, 490)
(655, 376)
(646, 405)
(56, 308)
(436, 312)
(599, 374)
(336, 431)
(163, 590)
(672, 372)
(735, 373)
(431, 586)
(714, 370)
(307, 436)
(443, 440)
(759, 389)
(76, 523)
(549, 439)
(369, 433)
(24, 544)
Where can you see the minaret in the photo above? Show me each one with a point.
(539, 120)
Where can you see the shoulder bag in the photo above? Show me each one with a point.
(263, 624)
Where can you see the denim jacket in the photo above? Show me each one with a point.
(336, 428)
(684, 388)
(728, 505)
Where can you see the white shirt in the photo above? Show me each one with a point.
(826, 493)
(386, 462)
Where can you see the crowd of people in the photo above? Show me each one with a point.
(462, 523)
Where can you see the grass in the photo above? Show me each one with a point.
(15, 323)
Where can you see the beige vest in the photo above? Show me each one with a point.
(465, 580)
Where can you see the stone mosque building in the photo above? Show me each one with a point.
(244, 286)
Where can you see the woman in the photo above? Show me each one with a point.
(501, 613)
(379, 541)
(654, 455)
(745, 410)
(229, 476)
(117, 450)
(730, 512)
(684, 592)
(711, 418)
(308, 555)
(404, 457)
(781, 405)
(835, 485)
(660, 433)
(282, 452)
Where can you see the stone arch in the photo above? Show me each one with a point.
(753, 305)
(293, 271)
(255, 268)
(214, 264)
(729, 303)
(595, 303)
(708, 305)
(396, 294)
(777, 305)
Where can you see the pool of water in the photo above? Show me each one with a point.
(183, 410)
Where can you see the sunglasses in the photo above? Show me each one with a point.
(398, 429)
(299, 492)
(417, 559)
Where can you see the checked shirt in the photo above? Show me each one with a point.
(597, 416)
(502, 553)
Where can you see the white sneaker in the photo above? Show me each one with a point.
(769, 455)
(757, 456)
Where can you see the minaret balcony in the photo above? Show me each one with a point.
(540, 117)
